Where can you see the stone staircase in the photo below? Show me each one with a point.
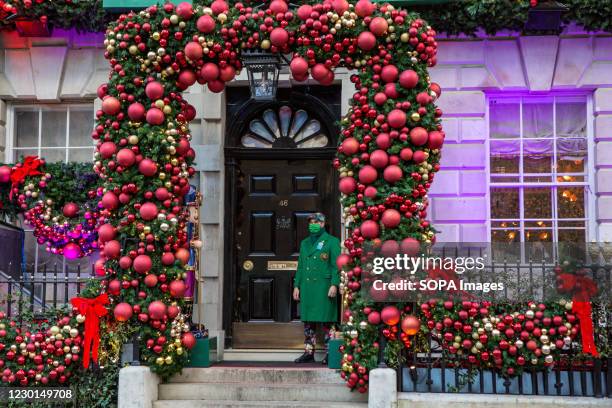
(227, 387)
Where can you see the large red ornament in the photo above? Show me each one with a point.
(106, 232)
(379, 159)
(5, 174)
(436, 140)
(114, 287)
(299, 66)
(150, 280)
(136, 112)
(184, 10)
(205, 24)
(410, 246)
(374, 317)
(177, 288)
(219, 6)
(209, 71)
(112, 249)
(409, 79)
(366, 41)
(350, 146)
(182, 255)
(347, 185)
(126, 157)
(186, 78)
(389, 73)
(70, 210)
(370, 229)
(148, 211)
(389, 248)
(342, 260)
(391, 218)
(111, 105)
(418, 136)
(154, 90)
(147, 167)
(367, 174)
(279, 37)
(216, 86)
(393, 173)
(304, 12)
(390, 315)
(193, 51)
(142, 264)
(411, 325)
(167, 258)
(188, 340)
(379, 26)
(227, 73)
(396, 118)
(157, 310)
(436, 89)
(107, 149)
(364, 8)
(110, 201)
(340, 6)
(155, 116)
(123, 312)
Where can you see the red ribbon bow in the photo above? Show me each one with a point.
(28, 168)
(93, 310)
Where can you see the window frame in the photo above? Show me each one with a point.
(591, 230)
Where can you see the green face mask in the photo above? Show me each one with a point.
(314, 228)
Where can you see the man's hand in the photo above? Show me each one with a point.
(333, 291)
(296, 294)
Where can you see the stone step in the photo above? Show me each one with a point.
(254, 391)
(250, 355)
(256, 404)
(269, 375)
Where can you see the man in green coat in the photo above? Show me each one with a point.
(316, 284)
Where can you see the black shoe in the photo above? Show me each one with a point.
(324, 361)
(305, 358)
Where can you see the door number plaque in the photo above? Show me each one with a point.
(282, 265)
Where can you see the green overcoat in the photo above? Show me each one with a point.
(316, 272)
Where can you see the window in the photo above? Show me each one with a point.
(539, 171)
(55, 133)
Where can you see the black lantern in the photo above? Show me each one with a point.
(263, 69)
(545, 16)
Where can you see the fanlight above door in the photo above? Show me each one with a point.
(284, 128)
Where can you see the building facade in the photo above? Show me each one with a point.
(527, 157)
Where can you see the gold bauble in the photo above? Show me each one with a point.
(162, 175)
(265, 44)
(159, 104)
(159, 360)
(133, 49)
(167, 109)
(168, 360)
(80, 318)
(133, 139)
(156, 36)
(146, 229)
(179, 351)
(415, 117)
(54, 330)
(174, 19)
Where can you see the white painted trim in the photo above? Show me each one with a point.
(592, 225)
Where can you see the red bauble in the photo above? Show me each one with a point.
(304, 12)
(340, 6)
(410, 246)
(154, 90)
(370, 192)
(167, 258)
(110, 201)
(188, 340)
(126, 157)
(374, 317)
(380, 98)
(391, 91)
(378, 295)
(206, 24)
(279, 37)
(114, 287)
(216, 86)
(193, 51)
(70, 210)
(409, 79)
(383, 141)
(177, 288)
(106, 232)
(142, 264)
(157, 310)
(366, 41)
(436, 140)
(182, 255)
(99, 267)
(299, 66)
(389, 248)
(209, 71)
(391, 218)
(184, 10)
(350, 146)
(162, 194)
(155, 116)
(423, 98)
(370, 229)
(418, 136)
(347, 185)
(367, 174)
(364, 8)
(102, 90)
(147, 167)
(186, 78)
(219, 6)
(136, 112)
(183, 147)
(150, 280)
(148, 211)
(411, 325)
(390, 315)
(379, 159)
(107, 149)
(406, 154)
(379, 26)
(389, 73)
(123, 312)
(112, 249)
(227, 73)
(396, 118)
(320, 72)
(342, 260)
(436, 89)
(125, 262)
(111, 105)
(419, 156)
(393, 173)
(5, 174)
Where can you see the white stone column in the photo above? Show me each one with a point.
(382, 391)
(602, 110)
(138, 387)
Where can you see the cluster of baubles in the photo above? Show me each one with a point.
(39, 357)
(506, 340)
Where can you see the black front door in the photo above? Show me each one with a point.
(274, 199)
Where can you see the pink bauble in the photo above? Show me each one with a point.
(111, 105)
(406, 154)
(329, 78)
(205, 24)
(389, 248)
(136, 112)
(219, 6)
(419, 156)
(390, 315)
(390, 218)
(380, 98)
(150, 280)
(340, 6)
(110, 201)
(364, 8)
(347, 185)
(71, 251)
(370, 229)
(209, 71)
(188, 340)
(142, 264)
(299, 66)
(320, 72)
(102, 90)
(107, 150)
(366, 41)
(216, 86)
(279, 6)
(383, 141)
(194, 51)
(154, 90)
(162, 194)
(186, 78)
(114, 287)
(70, 210)
(99, 267)
(157, 310)
(436, 89)
(342, 260)
(393, 173)
(418, 136)
(227, 73)
(148, 211)
(126, 157)
(177, 288)
(184, 10)
(410, 246)
(167, 258)
(379, 159)
(123, 312)
(423, 98)
(391, 91)
(125, 262)
(350, 146)
(370, 192)
(183, 147)
(396, 118)
(5, 174)
(374, 317)
(367, 174)
(304, 12)
(379, 26)
(155, 116)
(106, 232)
(389, 73)
(112, 249)
(436, 139)
(279, 37)
(147, 167)
(409, 79)
(189, 112)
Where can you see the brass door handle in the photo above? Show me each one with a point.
(248, 265)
